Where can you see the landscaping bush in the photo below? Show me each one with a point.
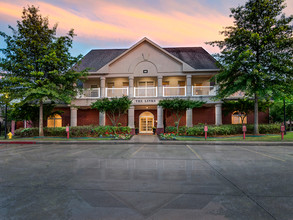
(78, 131)
(214, 130)
(27, 132)
(171, 129)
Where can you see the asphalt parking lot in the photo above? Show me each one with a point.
(146, 182)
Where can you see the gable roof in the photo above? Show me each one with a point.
(196, 57)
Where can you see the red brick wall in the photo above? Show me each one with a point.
(203, 115)
(87, 117)
(170, 118)
(123, 120)
(137, 114)
(263, 118)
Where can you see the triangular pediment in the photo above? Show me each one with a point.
(145, 54)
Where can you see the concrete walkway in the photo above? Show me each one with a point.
(145, 139)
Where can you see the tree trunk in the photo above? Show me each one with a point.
(290, 124)
(255, 131)
(41, 129)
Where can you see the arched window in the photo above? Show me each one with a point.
(237, 118)
(54, 121)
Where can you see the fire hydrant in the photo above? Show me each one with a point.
(10, 135)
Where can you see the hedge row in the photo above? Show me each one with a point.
(78, 131)
(214, 130)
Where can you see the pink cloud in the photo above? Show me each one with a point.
(177, 24)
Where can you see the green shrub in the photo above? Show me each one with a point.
(27, 132)
(214, 130)
(170, 129)
(78, 131)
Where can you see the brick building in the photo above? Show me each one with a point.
(148, 73)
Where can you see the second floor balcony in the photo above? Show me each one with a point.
(145, 92)
(203, 90)
(116, 92)
(174, 91)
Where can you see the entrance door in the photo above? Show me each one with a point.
(146, 122)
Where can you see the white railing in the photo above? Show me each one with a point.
(203, 90)
(145, 92)
(174, 91)
(90, 93)
(116, 92)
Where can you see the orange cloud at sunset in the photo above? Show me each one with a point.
(102, 22)
(118, 22)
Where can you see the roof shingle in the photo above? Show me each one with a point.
(196, 57)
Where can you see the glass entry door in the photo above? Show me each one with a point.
(146, 122)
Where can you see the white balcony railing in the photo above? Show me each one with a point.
(174, 91)
(145, 92)
(116, 92)
(203, 90)
(90, 93)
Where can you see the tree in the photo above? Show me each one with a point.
(179, 107)
(30, 112)
(256, 54)
(276, 112)
(244, 107)
(37, 65)
(114, 107)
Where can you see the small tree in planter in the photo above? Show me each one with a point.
(178, 107)
(114, 107)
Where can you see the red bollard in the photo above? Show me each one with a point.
(205, 132)
(67, 131)
(282, 131)
(244, 130)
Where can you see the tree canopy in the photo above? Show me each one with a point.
(37, 64)
(256, 53)
(114, 107)
(179, 107)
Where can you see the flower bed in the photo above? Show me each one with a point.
(168, 136)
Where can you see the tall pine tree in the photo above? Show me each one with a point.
(256, 54)
(37, 64)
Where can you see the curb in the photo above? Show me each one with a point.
(154, 143)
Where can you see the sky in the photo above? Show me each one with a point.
(101, 24)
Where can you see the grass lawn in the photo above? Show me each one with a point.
(277, 137)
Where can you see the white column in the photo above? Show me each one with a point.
(73, 116)
(102, 118)
(160, 123)
(188, 85)
(189, 121)
(160, 86)
(131, 117)
(102, 86)
(131, 92)
(218, 112)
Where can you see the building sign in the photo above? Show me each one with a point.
(145, 101)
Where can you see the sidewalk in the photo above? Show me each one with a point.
(145, 139)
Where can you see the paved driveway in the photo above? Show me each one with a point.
(146, 182)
